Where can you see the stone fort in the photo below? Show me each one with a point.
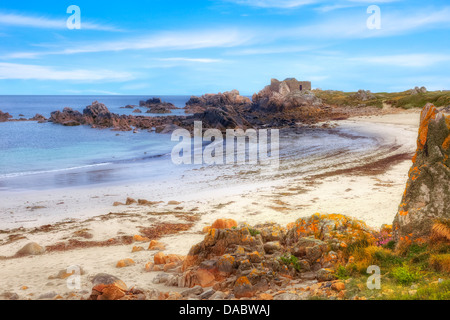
(292, 83)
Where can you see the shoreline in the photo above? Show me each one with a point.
(282, 200)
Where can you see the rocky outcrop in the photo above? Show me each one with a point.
(229, 98)
(67, 117)
(364, 95)
(97, 115)
(252, 260)
(418, 90)
(4, 116)
(222, 117)
(39, 118)
(427, 194)
(155, 105)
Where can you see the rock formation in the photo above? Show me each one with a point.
(155, 105)
(364, 95)
(229, 98)
(248, 260)
(418, 90)
(427, 194)
(4, 116)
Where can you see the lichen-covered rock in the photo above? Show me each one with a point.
(107, 287)
(427, 194)
(243, 288)
(331, 229)
(125, 263)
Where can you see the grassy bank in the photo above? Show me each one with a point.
(404, 100)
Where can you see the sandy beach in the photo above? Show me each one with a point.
(365, 184)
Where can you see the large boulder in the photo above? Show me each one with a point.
(427, 194)
(31, 249)
(68, 117)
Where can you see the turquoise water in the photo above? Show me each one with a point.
(47, 155)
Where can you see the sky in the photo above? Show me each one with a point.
(171, 47)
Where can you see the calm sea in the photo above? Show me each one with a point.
(37, 156)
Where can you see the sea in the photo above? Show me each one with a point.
(39, 156)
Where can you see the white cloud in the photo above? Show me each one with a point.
(188, 40)
(199, 60)
(16, 20)
(392, 23)
(36, 72)
(272, 50)
(405, 60)
(289, 4)
(284, 4)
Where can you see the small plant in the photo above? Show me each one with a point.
(342, 273)
(253, 232)
(291, 260)
(405, 275)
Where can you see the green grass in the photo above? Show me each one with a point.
(406, 275)
(291, 260)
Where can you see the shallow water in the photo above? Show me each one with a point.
(37, 156)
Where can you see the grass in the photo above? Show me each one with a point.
(403, 100)
(291, 260)
(416, 272)
(406, 275)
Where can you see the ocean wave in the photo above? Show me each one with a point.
(28, 173)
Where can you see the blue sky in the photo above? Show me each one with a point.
(159, 47)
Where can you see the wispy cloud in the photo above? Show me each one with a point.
(41, 22)
(284, 4)
(405, 60)
(289, 4)
(36, 72)
(184, 40)
(272, 50)
(392, 24)
(197, 60)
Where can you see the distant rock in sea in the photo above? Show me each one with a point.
(4, 116)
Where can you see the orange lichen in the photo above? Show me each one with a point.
(446, 144)
(423, 129)
(403, 213)
(242, 281)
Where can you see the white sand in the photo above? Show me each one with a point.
(211, 193)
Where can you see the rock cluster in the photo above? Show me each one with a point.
(229, 98)
(97, 115)
(418, 90)
(246, 262)
(427, 194)
(364, 95)
(155, 105)
(4, 116)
